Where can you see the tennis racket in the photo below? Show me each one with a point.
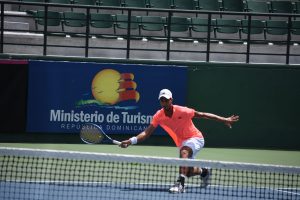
(93, 134)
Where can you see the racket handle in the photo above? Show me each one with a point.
(116, 142)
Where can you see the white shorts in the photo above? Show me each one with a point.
(196, 144)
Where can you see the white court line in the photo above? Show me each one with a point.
(80, 182)
(283, 190)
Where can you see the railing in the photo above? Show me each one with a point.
(207, 38)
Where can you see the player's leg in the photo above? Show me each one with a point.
(196, 144)
(190, 149)
(178, 187)
(185, 172)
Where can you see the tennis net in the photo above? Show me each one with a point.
(48, 174)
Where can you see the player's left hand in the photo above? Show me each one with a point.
(230, 120)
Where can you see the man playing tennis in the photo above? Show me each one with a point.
(177, 122)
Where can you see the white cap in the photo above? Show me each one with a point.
(165, 93)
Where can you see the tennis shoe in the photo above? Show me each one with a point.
(177, 188)
(206, 179)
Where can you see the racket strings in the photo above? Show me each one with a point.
(91, 134)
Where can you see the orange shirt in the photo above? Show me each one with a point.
(180, 126)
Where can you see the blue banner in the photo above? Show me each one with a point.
(121, 98)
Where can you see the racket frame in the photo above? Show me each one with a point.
(102, 132)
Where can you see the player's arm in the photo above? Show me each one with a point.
(139, 138)
(228, 121)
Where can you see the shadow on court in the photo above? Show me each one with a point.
(10, 190)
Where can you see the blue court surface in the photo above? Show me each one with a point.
(103, 191)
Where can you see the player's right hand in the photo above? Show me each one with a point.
(125, 143)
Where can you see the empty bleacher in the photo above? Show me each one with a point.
(194, 30)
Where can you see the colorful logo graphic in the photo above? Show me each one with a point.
(109, 87)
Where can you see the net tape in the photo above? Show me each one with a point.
(146, 160)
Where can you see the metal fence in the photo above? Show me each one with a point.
(199, 32)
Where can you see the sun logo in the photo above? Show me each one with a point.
(111, 87)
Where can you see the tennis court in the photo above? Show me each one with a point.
(51, 174)
(49, 191)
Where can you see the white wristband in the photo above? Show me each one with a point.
(133, 140)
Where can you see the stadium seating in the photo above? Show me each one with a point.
(105, 23)
(99, 20)
(282, 7)
(297, 7)
(102, 25)
(54, 25)
(84, 2)
(257, 6)
(152, 23)
(257, 26)
(53, 18)
(135, 3)
(179, 24)
(199, 28)
(152, 27)
(227, 30)
(74, 23)
(227, 26)
(121, 25)
(179, 27)
(295, 30)
(110, 3)
(276, 27)
(201, 24)
(162, 4)
(59, 1)
(30, 8)
(185, 4)
(233, 5)
(74, 19)
(122, 22)
(276, 31)
(256, 30)
(116, 3)
(34, 1)
(60, 9)
(211, 5)
(285, 7)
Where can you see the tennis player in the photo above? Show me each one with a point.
(177, 122)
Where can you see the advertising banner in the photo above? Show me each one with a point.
(121, 98)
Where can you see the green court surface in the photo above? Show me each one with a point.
(276, 157)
